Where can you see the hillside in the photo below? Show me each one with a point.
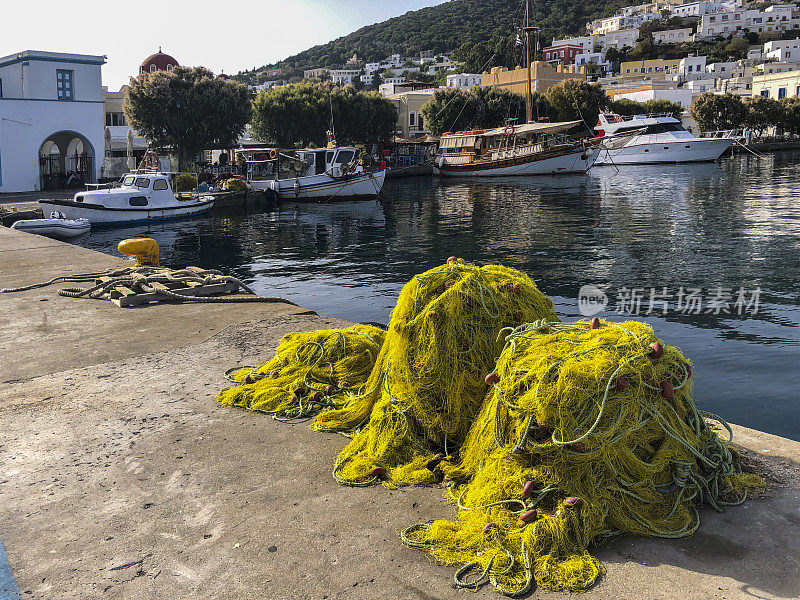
(447, 27)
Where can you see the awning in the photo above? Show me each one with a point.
(533, 128)
(457, 141)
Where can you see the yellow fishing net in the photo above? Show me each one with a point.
(589, 431)
(311, 371)
(578, 433)
(427, 385)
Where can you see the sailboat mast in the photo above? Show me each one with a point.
(528, 59)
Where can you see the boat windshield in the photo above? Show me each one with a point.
(128, 180)
(142, 182)
(344, 156)
(656, 128)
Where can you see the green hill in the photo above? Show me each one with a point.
(460, 25)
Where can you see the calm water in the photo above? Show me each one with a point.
(730, 225)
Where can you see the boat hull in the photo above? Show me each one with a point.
(678, 151)
(323, 188)
(575, 162)
(98, 214)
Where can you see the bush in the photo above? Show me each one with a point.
(236, 185)
(185, 183)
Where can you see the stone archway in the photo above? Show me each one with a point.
(66, 159)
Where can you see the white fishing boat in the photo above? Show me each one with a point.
(321, 175)
(139, 197)
(529, 149)
(56, 226)
(648, 139)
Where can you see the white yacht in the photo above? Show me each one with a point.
(320, 174)
(139, 197)
(646, 139)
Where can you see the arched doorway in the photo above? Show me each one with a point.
(66, 159)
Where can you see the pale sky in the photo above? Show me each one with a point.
(220, 35)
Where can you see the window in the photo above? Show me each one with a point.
(765, 93)
(412, 121)
(160, 184)
(128, 180)
(138, 201)
(142, 182)
(1, 88)
(627, 70)
(724, 17)
(797, 91)
(64, 84)
(788, 54)
(712, 19)
(169, 68)
(344, 156)
(781, 93)
(152, 68)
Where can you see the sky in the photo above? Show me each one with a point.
(223, 36)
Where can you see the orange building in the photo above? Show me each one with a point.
(543, 76)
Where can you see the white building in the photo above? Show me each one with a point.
(313, 73)
(698, 9)
(442, 66)
(682, 96)
(672, 36)
(776, 18)
(723, 70)
(782, 50)
(598, 58)
(464, 80)
(691, 68)
(618, 39)
(344, 76)
(51, 119)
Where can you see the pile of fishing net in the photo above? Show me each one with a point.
(589, 431)
(311, 371)
(580, 432)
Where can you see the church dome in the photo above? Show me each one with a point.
(158, 62)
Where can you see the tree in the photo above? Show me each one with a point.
(452, 109)
(716, 112)
(762, 113)
(300, 115)
(187, 109)
(574, 100)
(627, 107)
(791, 114)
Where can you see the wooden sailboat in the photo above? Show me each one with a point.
(530, 149)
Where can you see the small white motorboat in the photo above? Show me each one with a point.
(56, 226)
(139, 197)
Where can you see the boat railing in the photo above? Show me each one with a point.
(644, 116)
(724, 133)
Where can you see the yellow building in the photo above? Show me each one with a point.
(650, 69)
(543, 76)
(777, 85)
(410, 122)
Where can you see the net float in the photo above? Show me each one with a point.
(448, 284)
(594, 323)
(656, 350)
(489, 527)
(579, 447)
(319, 396)
(249, 378)
(378, 472)
(452, 259)
(432, 314)
(329, 389)
(299, 391)
(516, 288)
(667, 390)
(274, 374)
(528, 489)
(527, 517)
(688, 370)
(621, 384)
(492, 378)
(573, 502)
(434, 462)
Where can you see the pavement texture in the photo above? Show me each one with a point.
(121, 477)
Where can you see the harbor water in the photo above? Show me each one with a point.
(708, 254)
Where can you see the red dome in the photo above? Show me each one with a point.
(158, 62)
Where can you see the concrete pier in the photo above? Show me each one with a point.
(121, 477)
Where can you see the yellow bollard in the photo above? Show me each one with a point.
(144, 249)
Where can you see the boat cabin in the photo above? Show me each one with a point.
(610, 124)
(307, 162)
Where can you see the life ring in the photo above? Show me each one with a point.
(273, 153)
(151, 160)
(509, 130)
